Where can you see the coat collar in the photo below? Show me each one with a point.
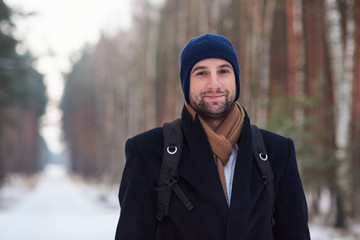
(198, 168)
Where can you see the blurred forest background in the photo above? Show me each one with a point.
(300, 77)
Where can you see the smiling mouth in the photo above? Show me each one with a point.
(210, 96)
(214, 95)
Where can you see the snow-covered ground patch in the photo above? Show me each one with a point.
(15, 189)
(321, 232)
(57, 208)
(99, 192)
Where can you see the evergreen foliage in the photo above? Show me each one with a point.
(22, 102)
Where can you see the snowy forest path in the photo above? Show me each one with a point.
(57, 209)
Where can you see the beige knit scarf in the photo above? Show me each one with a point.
(224, 138)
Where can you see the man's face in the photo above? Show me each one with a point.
(212, 88)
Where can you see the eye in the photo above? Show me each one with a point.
(201, 73)
(223, 71)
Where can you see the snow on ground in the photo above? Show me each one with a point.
(321, 232)
(57, 209)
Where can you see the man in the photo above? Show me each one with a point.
(216, 170)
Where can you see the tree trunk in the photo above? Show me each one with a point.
(283, 61)
(320, 123)
(355, 115)
(167, 57)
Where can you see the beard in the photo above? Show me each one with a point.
(216, 110)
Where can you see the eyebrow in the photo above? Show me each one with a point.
(198, 68)
(226, 65)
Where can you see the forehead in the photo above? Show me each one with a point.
(212, 62)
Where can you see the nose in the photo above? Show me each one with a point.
(213, 82)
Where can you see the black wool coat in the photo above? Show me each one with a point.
(249, 214)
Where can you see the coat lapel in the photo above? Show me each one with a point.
(247, 183)
(197, 168)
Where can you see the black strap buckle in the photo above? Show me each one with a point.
(268, 177)
(171, 181)
(160, 212)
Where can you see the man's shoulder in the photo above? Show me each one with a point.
(273, 136)
(147, 146)
(274, 140)
(151, 136)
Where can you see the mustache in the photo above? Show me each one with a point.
(224, 92)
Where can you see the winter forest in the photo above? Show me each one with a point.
(299, 72)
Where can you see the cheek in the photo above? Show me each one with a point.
(194, 87)
(231, 85)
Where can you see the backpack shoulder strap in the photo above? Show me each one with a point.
(168, 179)
(262, 161)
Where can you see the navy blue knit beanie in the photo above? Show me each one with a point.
(202, 47)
